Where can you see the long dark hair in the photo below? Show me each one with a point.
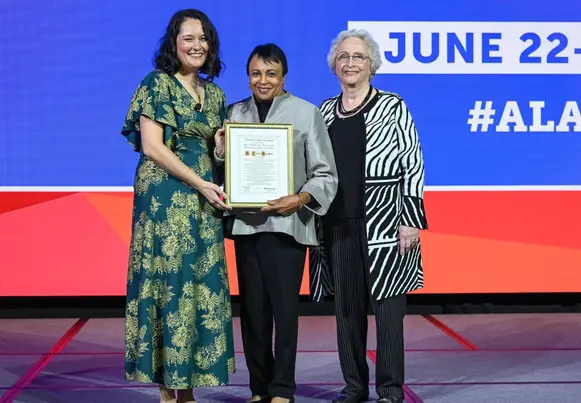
(166, 57)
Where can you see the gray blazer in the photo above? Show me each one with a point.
(314, 168)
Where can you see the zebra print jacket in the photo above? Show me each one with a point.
(394, 187)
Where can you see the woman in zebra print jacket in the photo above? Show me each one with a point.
(369, 251)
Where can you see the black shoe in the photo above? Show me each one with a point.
(390, 399)
(343, 398)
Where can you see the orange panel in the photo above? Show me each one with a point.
(61, 247)
(478, 242)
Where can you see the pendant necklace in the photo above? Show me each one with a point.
(352, 112)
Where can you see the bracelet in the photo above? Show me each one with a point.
(304, 199)
(217, 157)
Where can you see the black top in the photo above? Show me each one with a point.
(263, 108)
(348, 140)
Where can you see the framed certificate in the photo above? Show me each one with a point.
(258, 163)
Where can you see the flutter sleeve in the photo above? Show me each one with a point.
(153, 99)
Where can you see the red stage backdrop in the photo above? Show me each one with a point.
(76, 243)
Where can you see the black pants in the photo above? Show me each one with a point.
(348, 257)
(270, 271)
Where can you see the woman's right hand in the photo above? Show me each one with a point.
(212, 192)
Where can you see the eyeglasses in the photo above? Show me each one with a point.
(357, 58)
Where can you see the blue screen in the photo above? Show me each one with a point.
(68, 70)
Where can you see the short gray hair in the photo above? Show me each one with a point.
(374, 55)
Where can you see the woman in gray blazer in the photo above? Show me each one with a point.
(271, 244)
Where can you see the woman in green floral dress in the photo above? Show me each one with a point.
(178, 318)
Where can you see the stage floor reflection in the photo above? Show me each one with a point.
(449, 358)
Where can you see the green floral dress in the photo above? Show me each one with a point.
(178, 315)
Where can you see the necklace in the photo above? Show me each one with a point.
(353, 111)
(198, 105)
(195, 86)
(195, 83)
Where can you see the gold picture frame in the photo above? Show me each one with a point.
(253, 172)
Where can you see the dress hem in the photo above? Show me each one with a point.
(180, 386)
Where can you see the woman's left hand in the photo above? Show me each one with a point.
(284, 205)
(408, 238)
(288, 205)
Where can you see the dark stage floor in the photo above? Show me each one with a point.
(456, 358)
